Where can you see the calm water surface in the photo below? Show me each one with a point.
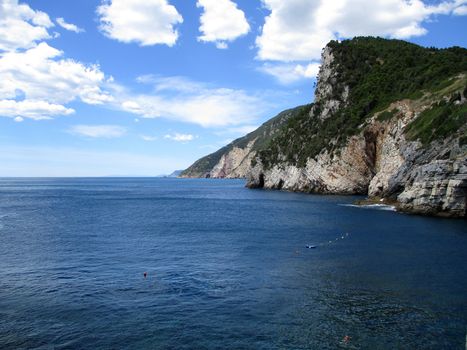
(227, 267)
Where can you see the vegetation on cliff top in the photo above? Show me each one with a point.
(439, 121)
(377, 72)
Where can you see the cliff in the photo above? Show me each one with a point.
(389, 120)
(235, 159)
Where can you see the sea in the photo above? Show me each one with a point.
(161, 263)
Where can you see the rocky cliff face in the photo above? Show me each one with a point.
(331, 94)
(235, 159)
(389, 120)
(236, 163)
(380, 161)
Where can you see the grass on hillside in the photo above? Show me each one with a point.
(437, 122)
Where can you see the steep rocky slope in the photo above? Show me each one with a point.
(383, 162)
(389, 120)
(235, 159)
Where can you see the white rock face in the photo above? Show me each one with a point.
(380, 162)
(347, 173)
(389, 144)
(234, 164)
(325, 94)
(439, 187)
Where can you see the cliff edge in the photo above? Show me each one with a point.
(389, 120)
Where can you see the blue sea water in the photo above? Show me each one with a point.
(227, 268)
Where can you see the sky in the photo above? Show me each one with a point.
(146, 87)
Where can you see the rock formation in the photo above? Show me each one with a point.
(389, 120)
(235, 159)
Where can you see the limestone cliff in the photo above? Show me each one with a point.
(389, 120)
(234, 164)
(380, 161)
(235, 159)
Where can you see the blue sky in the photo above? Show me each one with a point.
(144, 87)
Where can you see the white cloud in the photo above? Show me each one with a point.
(460, 11)
(179, 137)
(287, 73)
(41, 74)
(98, 131)
(222, 45)
(20, 26)
(47, 83)
(69, 26)
(38, 82)
(180, 99)
(33, 109)
(173, 83)
(297, 30)
(35, 81)
(290, 33)
(18, 119)
(148, 138)
(146, 22)
(221, 22)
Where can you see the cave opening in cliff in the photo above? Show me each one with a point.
(280, 184)
(261, 181)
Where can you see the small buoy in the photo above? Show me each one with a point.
(346, 339)
(145, 274)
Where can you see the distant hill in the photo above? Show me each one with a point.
(234, 160)
(176, 173)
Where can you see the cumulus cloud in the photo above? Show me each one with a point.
(179, 137)
(20, 26)
(221, 22)
(38, 82)
(98, 131)
(290, 73)
(297, 30)
(33, 109)
(180, 99)
(146, 22)
(46, 83)
(69, 26)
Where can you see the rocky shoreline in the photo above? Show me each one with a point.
(393, 154)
